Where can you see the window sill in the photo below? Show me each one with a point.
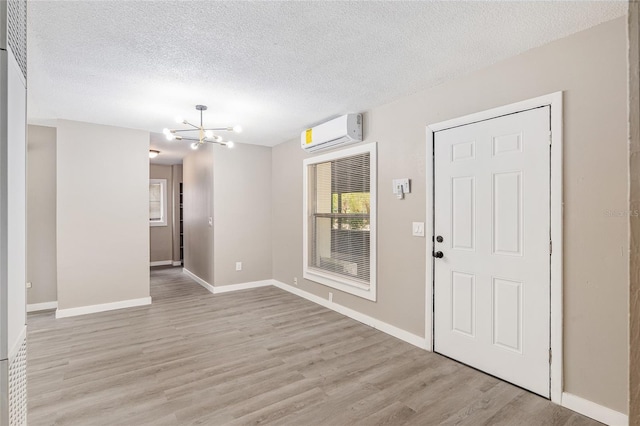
(341, 283)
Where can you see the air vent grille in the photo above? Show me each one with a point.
(18, 388)
(17, 35)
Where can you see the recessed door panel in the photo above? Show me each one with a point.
(462, 151)
(462, 303)
(507, 143)
(507, 314)
(462, 212)
(507, 213)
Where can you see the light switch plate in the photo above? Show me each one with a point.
(238, 266)
(418, 229)
(406, 187)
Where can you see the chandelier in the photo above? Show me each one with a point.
(204, 134)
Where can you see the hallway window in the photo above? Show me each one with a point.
(339, 246)
(157, 202)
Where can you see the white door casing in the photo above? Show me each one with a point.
(492, 208)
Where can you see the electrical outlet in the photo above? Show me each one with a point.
(295, 280)
(330, 297)
(238, 266)
(29, 285)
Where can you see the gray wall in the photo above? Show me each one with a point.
(41, 214)
(161, 237)
(102, 214)
(591, 67)
(176, 172)
(634, 206)
(242, 213)
(197, 177)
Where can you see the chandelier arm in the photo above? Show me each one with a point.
(215, 142)
(192, 125)
(226, 129)
(183, 130)
(191, 139)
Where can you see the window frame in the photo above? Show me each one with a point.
(335, 281)
(163, 202)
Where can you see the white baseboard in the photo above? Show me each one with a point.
(593, 410)
(161, 263)
(242, 286)
(199, 280)
(45, 306)
(392, 330)
(91, 309)
(177, 263)
(226, 288)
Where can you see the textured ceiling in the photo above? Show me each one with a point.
(273, 67)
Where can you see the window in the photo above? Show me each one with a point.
(340, 220)
(157, 202)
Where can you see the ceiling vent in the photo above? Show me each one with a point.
(16, 15)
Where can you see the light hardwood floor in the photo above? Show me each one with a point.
(259, 356)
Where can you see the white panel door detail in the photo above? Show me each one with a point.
(492, 210)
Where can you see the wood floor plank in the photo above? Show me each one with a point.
(259, 356)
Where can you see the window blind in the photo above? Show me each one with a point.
(339, 219)
(155, 201)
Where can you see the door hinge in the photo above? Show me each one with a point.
(550, 137)
(550, 355)
(550, 247)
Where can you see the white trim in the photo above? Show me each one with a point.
(199, 280)
(342, 283)
(593, 410)
(44, 306)
(176, 263)
(540, 101)
(92, 309)
(360, 317)
(18, 343)
(241, 286)
(161, 263)
(429, 236)
(554, 100)
(226, 288)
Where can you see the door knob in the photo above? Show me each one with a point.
(439, 239)
(438, 254)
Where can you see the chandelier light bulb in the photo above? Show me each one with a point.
(209, 133)
(170, 136)
(194, 145)
(237, 128)
(230, 144)
(166, 131)
(179, 120)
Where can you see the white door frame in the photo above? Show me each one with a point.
(554, 100)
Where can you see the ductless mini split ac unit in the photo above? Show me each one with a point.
(339, 131)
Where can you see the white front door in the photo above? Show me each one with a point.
(492, 216)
